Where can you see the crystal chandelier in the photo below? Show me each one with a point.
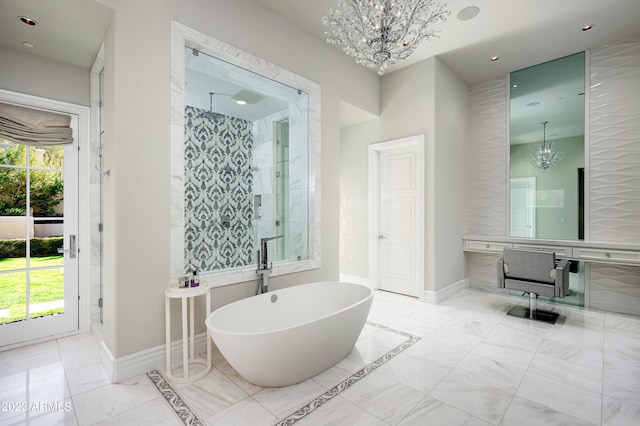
(545, 157)
(379, 33)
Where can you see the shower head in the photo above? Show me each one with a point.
(210, 114)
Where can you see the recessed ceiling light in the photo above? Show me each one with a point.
(28, 20)
(494, 58)
(241, 102)
(514, 86)
(588, 27)
(468, 13)
(27, 44)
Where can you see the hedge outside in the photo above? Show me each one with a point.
(39, 247)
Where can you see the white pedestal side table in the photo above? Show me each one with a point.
(188, 329)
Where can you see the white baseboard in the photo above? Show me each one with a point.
(126, 367)
(439, 296)
(354, 279)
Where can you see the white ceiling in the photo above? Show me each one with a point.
(521, 32)
(68, 31)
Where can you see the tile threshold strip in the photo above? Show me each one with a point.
(189, 418)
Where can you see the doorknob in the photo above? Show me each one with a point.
(72, 247)
(381, 237)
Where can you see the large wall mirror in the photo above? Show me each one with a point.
(547, 140)
(244, 160)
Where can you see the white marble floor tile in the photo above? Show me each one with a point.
(87, 378)
(284, 401)
(338, 373)
(410, 325)
(514, 337)
(622, 324)
(51, 389)
(78, 351)
(151, 413)
(589, 378)
(413, 372)
(622, 355)
(435, 315)
(491, 372)
(435, 352)
(577, 335)
(211, 394)
(61, 413)
(25, 376)
(619, 413)
(559, 395)
(339, 411)
(483, 401)
(432, 412)
(245, 412)
(373, 346)
(572, 353)
(28, 357)
(518, 358)
(98, 404)
(471, 323)
(624, 388)
(442, 336)
(221, 364)
(383, 397)
(523, 412)
(582, 370)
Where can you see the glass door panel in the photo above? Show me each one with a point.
(38, 220)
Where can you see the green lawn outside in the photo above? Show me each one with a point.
(47, 285)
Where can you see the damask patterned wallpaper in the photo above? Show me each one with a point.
(217, 191)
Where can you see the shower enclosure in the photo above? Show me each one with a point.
(246, 173)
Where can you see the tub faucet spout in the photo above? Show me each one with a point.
(264, 266)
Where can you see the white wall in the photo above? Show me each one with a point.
(137, 147)
(408, 99)
(25, 73)
(354, 197)
(451, 124)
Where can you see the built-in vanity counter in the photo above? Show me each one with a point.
(588, 251)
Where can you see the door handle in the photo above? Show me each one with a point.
(381, 237)
(72, 247)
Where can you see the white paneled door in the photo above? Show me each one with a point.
(397, 227)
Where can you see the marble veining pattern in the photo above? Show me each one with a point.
(182, 36)
(584, 370)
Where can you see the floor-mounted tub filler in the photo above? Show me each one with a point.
(287, 336)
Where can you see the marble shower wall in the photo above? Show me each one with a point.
(218, 180)
(296, 212)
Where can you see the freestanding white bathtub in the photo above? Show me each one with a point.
(287, 336)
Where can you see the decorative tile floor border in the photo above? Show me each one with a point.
(189, 418)
(175, 401)
(351, 380)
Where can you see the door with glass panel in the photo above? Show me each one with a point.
(38, 235)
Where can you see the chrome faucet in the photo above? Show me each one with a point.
(264, 266)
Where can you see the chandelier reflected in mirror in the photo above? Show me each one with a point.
(545, 157)
(379, 33)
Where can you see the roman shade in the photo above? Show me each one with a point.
(29, 126)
